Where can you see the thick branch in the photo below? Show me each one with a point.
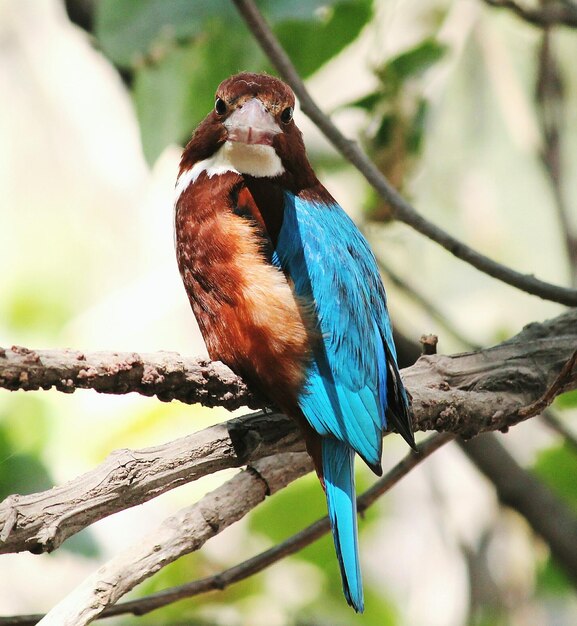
(180, 534)
(518, 370)
(41, 522)
(549, 515)
(166, 375)
(403, 211)
(464, 394)
(263, 560)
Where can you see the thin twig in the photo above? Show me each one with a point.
(427, 305)
(403, 211)
(565, 377)
(258, 563)
(551, 14)
(550, 109)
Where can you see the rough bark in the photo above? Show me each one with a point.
(40, 522)
(464, 394)
(181, 533)
(166, 375)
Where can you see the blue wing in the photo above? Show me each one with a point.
(353, 377)
(354, 363)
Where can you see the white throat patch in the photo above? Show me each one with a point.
(233, 156)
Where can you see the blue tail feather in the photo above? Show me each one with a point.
(339, 477)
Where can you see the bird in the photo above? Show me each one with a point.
(287, 292)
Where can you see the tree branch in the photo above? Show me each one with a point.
(551, 111)
(463, 394)
(261, 561)
(566, 376)
(519, 489)
(182, 533)
(403, 211)
(41, 522)
(550, 14)
(166, 375)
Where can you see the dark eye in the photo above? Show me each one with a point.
(220, 106)
(287, 115)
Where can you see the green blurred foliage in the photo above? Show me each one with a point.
(25, 421)
(396, 116)
(551, 579)
(41, 306)
(179, 51)
(557, 467)
(567, 400)
(21, 470)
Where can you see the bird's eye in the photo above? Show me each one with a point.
(220, 106)
(287, 115)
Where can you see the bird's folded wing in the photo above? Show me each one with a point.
(332, 266)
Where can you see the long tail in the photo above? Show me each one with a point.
(339, 479)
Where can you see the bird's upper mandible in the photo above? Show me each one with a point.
(251, 123)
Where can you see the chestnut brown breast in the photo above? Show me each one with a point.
(246, 309)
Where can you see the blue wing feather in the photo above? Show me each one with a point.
(330, 263)
(353, 367)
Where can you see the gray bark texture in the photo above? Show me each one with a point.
(464, 394)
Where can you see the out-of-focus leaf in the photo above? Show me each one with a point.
(567, 400)
(367, 103)
(552, 579)
(312, 43)
(129, 29)
(183, 570)
(181, 50)
(417, 129)
(411, 63)
(488, 616)
(24, 421)
(32, 307)
(378, 608)
(173, 96)
(20, 472)
(557, 466)
(385, 130)
(290, 510)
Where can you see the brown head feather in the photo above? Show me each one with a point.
(288, 144)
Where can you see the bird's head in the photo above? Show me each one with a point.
(251, 130)
(254, 108)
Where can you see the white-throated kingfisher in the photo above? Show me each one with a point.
(287, 292)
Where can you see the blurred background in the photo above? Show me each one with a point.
(469, 110)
